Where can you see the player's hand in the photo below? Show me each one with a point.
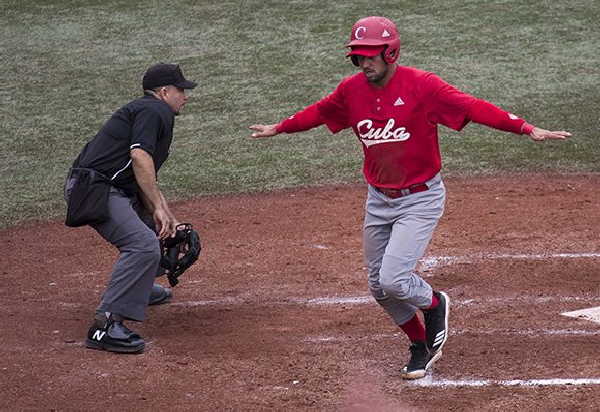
(165, 225)
(540, 135)
(264, 130)
(174, 224)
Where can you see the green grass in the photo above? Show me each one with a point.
(67, 65)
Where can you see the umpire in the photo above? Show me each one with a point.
(125, 157)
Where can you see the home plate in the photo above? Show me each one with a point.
(592, 314)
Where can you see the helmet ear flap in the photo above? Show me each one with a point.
(392, 52)
(390, 55)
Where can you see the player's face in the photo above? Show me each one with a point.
(175, 97)
(375, 68)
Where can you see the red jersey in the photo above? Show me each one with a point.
(397, 124)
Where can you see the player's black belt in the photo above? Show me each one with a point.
(396, 193)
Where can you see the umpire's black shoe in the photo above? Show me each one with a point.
(436, 323)
(159, 295)
(420, 361)
(111, 335)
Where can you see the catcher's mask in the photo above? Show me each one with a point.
(179, 252)
(373, 35)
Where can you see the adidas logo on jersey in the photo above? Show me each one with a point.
(370, 136)
(399, 102)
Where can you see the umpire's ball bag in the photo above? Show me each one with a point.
(88, 199)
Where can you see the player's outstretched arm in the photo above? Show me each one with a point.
(264, 130)
(540, 135)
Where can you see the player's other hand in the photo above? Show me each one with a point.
(264, 130)
(539, 135)
(164, 223)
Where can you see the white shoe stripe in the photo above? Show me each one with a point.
(441, 336)
(435, 357)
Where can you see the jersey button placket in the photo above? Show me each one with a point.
(377, 103)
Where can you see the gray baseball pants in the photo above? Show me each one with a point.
(128, 290)
(395, 236)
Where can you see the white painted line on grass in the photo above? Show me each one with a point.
(592, 314)
(430, 381)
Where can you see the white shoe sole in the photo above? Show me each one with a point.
(418, 374)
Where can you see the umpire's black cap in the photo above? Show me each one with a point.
(164, 74)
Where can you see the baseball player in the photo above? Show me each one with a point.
(129, 150)
(395, 111)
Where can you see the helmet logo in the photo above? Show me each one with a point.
(385, 33)
(359, 32)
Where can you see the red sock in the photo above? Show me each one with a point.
(434, 302)
(414, 329)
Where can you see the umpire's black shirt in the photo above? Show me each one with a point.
(145, 123)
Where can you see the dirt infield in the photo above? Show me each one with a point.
(276, 314)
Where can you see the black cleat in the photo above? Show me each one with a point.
(159, 295)
(111, 335)
(436, 323)
(420, 361)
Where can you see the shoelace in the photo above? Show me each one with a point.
(417, 349)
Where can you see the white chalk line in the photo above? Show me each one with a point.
(438, 261)
(591, 314)
(368, 299)
(431, 262)
(363, 300)
(351, 300)
(429, 381)
(453, 332)
(215, 302)
(427, 263)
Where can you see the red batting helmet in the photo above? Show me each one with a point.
(374, 31)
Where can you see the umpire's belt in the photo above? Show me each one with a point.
(396, 193)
